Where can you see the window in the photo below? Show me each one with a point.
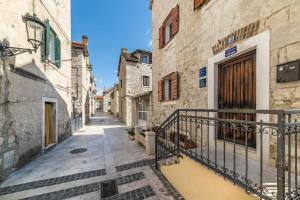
(168, 31)
(51, 55)
(146, 80)
(145, 59)
(169, 28)
(52, 48)
(120, 83)
(143, 108)
(168, 87)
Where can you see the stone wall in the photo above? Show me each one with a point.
(202, 29)
(115, 101)
(27, 80)
(82, 87)
(76, 80)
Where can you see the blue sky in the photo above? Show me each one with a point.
(111, 25)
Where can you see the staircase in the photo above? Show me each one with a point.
(220, 140)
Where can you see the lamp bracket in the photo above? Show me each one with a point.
(7, 51)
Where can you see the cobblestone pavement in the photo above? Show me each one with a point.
(110, 156)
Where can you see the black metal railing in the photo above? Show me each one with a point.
(255, 149)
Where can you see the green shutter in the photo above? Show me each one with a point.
(57, 52)
(47, 39)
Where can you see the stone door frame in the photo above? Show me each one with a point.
(260, 43)
(54, 102)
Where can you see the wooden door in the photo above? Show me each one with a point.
(237, 90)
(49, 124)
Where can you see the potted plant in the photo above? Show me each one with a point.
(131, 133)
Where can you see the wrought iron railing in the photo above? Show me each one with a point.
(255, 149)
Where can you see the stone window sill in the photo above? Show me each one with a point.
(167, 103)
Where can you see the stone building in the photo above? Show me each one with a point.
(135, 77)
(99, 103)
(83, 84)
(269, 27)
(217, 54)
(115, 101)
(107, 100)
(35, 94)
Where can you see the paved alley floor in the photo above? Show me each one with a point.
(110, 157)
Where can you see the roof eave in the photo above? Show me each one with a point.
(151, 4)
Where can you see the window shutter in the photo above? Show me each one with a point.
(175, 20)
(57, 52)
(161, 36)
(160, 90)
(199, 3)
(150, 59)
(174, 85)
(47, 39)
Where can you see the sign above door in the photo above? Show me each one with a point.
(231, 51)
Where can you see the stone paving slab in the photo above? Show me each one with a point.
(83, 189)
(51, 181)
(108, 148)
(137, 164)
(138, 194)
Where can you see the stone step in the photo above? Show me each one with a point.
(169, 161)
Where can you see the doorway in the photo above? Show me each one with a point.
(237, 90)
(49, 124)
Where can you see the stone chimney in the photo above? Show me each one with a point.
(124, 50)
(85, 41)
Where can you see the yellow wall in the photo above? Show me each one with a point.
(196, 182)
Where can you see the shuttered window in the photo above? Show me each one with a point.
(52, 47)
(169, 28)
(200, 3)
(168, 87)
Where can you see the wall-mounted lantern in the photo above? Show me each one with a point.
(35, 30)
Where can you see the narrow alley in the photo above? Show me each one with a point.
(77, 167)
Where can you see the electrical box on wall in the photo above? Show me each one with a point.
(288, 72)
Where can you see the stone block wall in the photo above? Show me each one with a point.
(200, 37)
(76, 80)
(134, 79)
(115, 101)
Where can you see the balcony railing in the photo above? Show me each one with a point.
(255, 149)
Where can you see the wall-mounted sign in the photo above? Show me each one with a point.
(231, 51)
(202, 83)
(202, 72)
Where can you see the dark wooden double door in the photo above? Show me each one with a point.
(237, 90)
